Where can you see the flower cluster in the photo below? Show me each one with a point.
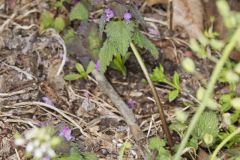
(39, 142)
(110, 14)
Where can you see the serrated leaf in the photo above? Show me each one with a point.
(156, 143)
(173, 95)
(46, 20)
(72, 76)
(106, 55)
(207, 124)
(59, 24)
(158, 74)
(90, 67)
(80, 68)
(143, 42)
(193, 143)
(79, 12)
(120, 34)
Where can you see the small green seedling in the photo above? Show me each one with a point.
(157, 144)
(118, 63)
(47, 20)
(159, 76)
(75, 154)
(82, 73)
(126, 145)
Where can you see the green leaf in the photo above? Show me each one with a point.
(106, 55)
(89, 156)
(93, 40)
(143, 42)
(193, 143)
(118, 64)
(120, 33)
(59, 24)
(80, 68)
(225, 102)
(79, 12)
(159, 76)
(173, 95)
(156, 143)
(46, 20)
(90, 67)
(176, 80)
(76, 155)
(207, 124)
(126, 145)
(69, 35)
(72, 76)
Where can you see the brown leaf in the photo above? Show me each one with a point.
(152, 2)
(202, 154)
(189, 15)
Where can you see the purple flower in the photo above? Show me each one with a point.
(127, 16)
(97, 67)
(47, 101)
(46, 158)
(66, 133)
(131, 103)
(153, 31)
(109, 14)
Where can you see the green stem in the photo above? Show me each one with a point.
(155, 95)
(229, 137)
(226, 52)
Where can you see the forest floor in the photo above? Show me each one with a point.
(29, 59)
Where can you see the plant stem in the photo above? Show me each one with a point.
(226, 52)
(229, 137)
(155, 95)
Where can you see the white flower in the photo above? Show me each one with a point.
(51, 152)
(45, 147)
(19, 141)
(29, 147)
(31, 133)
(37, 153)
(36, 143)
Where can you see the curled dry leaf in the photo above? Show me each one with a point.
(186, 13)
(189, 15)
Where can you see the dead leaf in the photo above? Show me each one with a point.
(189, 15)
(202, 154)
(153, 2)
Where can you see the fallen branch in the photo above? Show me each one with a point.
(127, 113)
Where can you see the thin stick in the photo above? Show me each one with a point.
(128, 115)
(155, 95)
